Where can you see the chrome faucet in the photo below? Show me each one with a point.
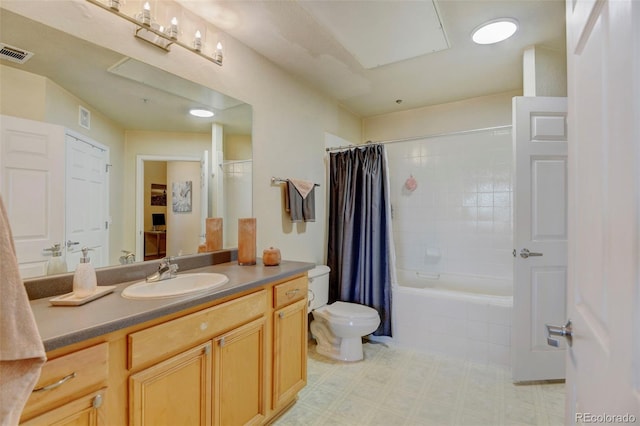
(127, 257)
(166, 270)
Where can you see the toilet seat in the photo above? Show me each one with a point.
(351, 311)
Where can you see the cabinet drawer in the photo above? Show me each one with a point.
(290, 292)
(159, 342)
(67, 377)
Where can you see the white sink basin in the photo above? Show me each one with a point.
(179, 286)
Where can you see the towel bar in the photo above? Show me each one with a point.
(276, 180)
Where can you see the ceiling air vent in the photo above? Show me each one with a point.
(14, 54)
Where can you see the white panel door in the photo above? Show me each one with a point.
(87, 201)
(540, 227)
(32, 187)
(603, 364)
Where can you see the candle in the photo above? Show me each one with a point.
(173, 30)
(197, 41)
(217, 56)
(247, 241)
(146, 14)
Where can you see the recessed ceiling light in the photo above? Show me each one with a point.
(495, 31)
(202, 113)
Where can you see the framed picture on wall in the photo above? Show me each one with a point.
(181, 192)
(158, 194)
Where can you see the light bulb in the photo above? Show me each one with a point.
(217, 56)
(197, 41)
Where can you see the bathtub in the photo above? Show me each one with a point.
(456, 315)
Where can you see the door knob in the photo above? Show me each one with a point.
(525, 253)
(555, 330)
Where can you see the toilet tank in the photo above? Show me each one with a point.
(318, 286)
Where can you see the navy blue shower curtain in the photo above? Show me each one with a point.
(359, 241)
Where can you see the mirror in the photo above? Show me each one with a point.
(139, 114)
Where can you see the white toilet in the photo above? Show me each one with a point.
(338, 328)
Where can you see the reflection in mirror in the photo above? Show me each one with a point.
(158, 161)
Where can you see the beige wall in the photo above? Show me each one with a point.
(289, 117)
(183, 228)
(23, 94)
(470, 114)
(237, 147)
(544, 72)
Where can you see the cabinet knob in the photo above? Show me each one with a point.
(97, 401)
(281, 315)
(221, 342)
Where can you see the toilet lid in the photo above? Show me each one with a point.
(351, 310)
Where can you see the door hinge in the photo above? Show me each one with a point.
(106, 224)
(107, 167)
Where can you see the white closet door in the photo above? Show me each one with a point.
(540, 227)
(87, 202)
(32, 188)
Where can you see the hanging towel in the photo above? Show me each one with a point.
(21, 351)
(300, 200)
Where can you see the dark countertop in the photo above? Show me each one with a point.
(64, 325)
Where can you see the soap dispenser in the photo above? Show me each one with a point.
(57, 264)
(84, 279)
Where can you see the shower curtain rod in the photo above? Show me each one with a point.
(416, 138)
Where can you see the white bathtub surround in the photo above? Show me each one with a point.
(463, 316)
(453, 237)
(398, 386)
(458, 219)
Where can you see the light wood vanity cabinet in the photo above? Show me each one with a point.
(239, 362)
(239, 378)
(70, 390)
(289, 341)
(175, 391)
(88, 410)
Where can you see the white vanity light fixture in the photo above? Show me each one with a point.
(495, 31)
(201, 113)
(148, 30)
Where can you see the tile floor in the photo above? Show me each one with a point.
(396, 386)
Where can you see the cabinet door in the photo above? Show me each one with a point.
(173, 392)
(289, 352)
(239, 375)
(85, 411)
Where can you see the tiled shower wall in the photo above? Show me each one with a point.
(458, 219)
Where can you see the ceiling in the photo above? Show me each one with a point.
(301, 37)
(422, 61)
